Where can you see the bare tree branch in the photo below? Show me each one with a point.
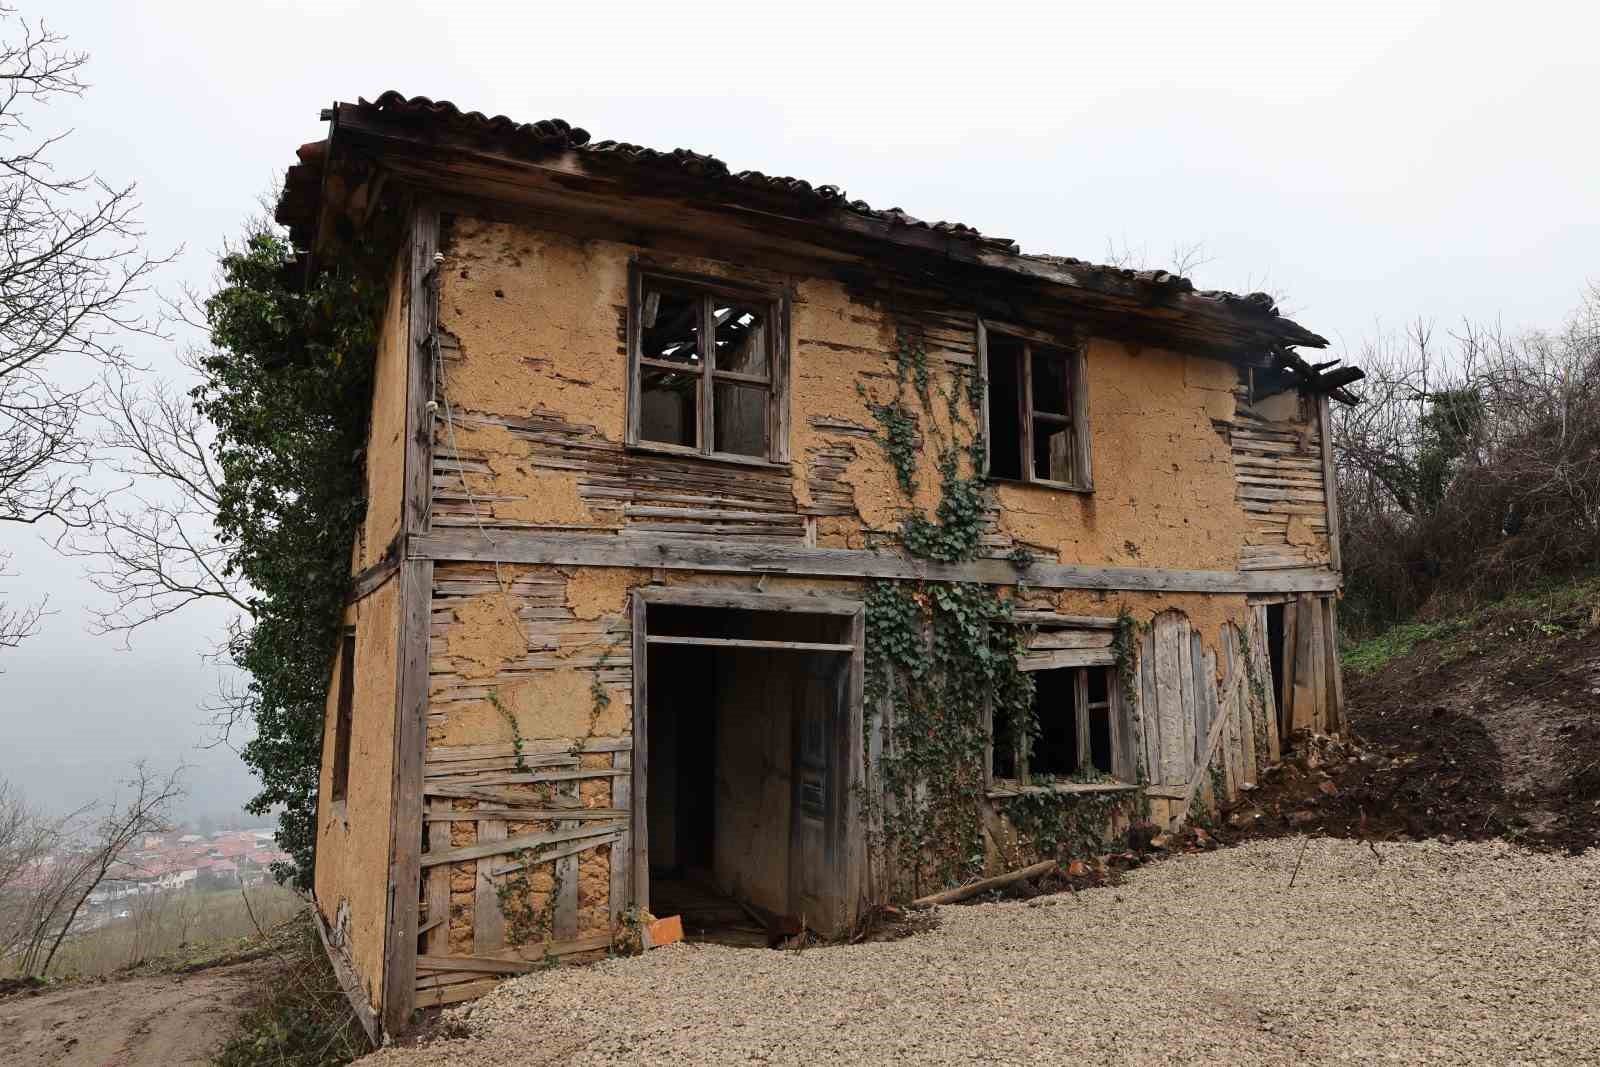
(72, 276)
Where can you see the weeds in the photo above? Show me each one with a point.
(302, 1018)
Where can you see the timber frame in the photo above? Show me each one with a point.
(1194, 722)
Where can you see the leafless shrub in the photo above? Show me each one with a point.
(1472, 467)
(57, 863)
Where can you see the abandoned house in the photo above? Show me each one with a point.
(656, 448)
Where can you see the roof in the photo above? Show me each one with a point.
(426, 120)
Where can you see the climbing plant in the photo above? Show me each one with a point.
(942, 656)
(286, 385)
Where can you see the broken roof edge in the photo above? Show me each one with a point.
(823, 205)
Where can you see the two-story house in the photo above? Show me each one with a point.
(646, 439)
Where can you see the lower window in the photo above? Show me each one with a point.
(1074, 712)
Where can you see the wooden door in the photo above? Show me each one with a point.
(816, 890)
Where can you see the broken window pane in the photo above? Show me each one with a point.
(1052, 380)
(668, 403)
(741, 338)
(669, 326)
(741, 419)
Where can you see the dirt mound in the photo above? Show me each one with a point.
(1481, 727)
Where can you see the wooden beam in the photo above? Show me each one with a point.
(439, 996)
(1066, 657)
(1330, 484)
(750, 642)
(349, 979)
(416, 601)
(1071, 622)
(999, 881)
(748, 601)
(377, 576)
(710, 555)
(639, 835)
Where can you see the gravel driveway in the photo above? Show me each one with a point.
(1468, 953)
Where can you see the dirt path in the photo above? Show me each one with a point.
(160, 1021)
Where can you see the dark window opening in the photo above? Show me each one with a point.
(1004, 397)
(344, 715)
(704, 366)
(1036, 430)
(1275, 634)
(1074, 709)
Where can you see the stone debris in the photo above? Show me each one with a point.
(1474, 953)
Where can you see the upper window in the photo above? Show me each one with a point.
(707, 372)
(1036, 411)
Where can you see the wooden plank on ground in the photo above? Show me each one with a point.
(454, 994)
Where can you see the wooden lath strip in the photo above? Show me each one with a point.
(443, 753)
(510, 844)
(562, 853)
(529, 814)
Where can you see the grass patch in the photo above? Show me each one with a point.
(1549, 611)
(1370, 655)
(302, 1018)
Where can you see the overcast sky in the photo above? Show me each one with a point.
(1373, 162)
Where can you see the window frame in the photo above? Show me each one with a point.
(344, 718)
(776, 382)
(1121, 765)
(1077, 419)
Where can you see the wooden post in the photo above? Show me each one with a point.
(640, 831)
(416, 599)
(1330, 483)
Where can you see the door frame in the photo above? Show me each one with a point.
(850, 858)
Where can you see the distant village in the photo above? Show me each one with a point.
(163, 862)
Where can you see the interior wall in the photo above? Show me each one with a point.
(352, 870)
(755, 695)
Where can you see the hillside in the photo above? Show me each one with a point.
(1485, 725)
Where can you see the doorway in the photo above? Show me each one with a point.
(744, 818)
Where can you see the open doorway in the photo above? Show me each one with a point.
(746, 727)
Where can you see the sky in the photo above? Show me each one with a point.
(1370, 162)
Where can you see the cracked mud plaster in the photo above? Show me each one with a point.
(839, 344)
(1165, 489)
(537, 317)
(595, 592)
(550, 498)
(487, 636)
(353, 852)
(549, 705)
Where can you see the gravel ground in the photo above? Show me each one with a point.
(1442, 954)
